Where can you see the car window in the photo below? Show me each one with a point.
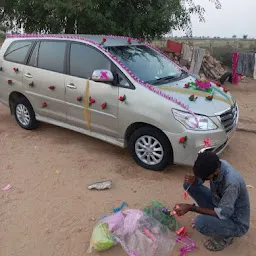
(51, 55)
(34, 56)
(18, 51)
(84, 60)
(122, 81)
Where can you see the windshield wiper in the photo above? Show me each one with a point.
(183, 73)
(163, 79)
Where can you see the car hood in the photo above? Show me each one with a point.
(221, 100)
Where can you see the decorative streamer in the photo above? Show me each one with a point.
(87, 113)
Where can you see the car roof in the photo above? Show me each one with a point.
(111, 40)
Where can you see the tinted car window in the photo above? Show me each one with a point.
(52, 55)
(34, 56)
(18, 51)
(84, 60)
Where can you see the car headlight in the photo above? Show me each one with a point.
(188, 120)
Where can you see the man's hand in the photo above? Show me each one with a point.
(182, 209)
(189, 178)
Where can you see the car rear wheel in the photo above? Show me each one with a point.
(24, 114)
(150, 148)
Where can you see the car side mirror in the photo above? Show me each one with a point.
(102, 75)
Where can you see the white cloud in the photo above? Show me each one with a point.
(234, 18)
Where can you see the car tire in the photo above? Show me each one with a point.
(24, 114)
(150, 148)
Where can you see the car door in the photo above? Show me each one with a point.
(83, 60)
(12, 65)
(44, 79)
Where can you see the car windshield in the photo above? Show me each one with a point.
(147, 64)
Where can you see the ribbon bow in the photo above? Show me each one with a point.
(103, 74)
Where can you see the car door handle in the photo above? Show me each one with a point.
(28, 75)
(71, 86)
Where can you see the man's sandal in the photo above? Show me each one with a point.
(218, 245)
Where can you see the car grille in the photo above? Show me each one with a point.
(229, 118)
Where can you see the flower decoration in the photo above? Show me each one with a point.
(209, 97)
(79, 98)
(9, 82)
(183, 141)
(51, 87)
(129, 40)
(186, 85)
(192, 98)
(31, 84)
(225, 90)
(104, 40)
(44, 105)
(15, 69)
(207, 142)
(203, 83)
(122, 98)
(91, 101)
(141, 40)
(104, 105)
(218, 84)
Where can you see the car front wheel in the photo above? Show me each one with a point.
(150, 148)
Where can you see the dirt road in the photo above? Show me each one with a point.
(49, 210)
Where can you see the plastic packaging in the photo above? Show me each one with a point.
(140, 234)
(101, 239)
(159, 212)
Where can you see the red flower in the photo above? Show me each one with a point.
(192, 97)
(182, 140)
(186, 85)
(51, 87)
(15, 69)
(122, 98)
(91, 100)
(210, 97)
(44, 104)
(141, 40)
(104, 39)
(104, 105)
(31, 84)
(218, 84)
(225, 90)
(9, 81)
(79, 98)
(129, 40)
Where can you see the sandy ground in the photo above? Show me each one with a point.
(49, 210)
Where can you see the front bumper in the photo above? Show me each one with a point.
(187, 155)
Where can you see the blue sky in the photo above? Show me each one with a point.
(237, 17)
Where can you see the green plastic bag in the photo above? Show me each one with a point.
(155, 210)
(101, 238)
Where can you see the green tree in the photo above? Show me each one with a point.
(138, 18)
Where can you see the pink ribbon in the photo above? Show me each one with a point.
(103, 74)
(189, 245)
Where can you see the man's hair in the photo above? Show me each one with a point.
(206, 164)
